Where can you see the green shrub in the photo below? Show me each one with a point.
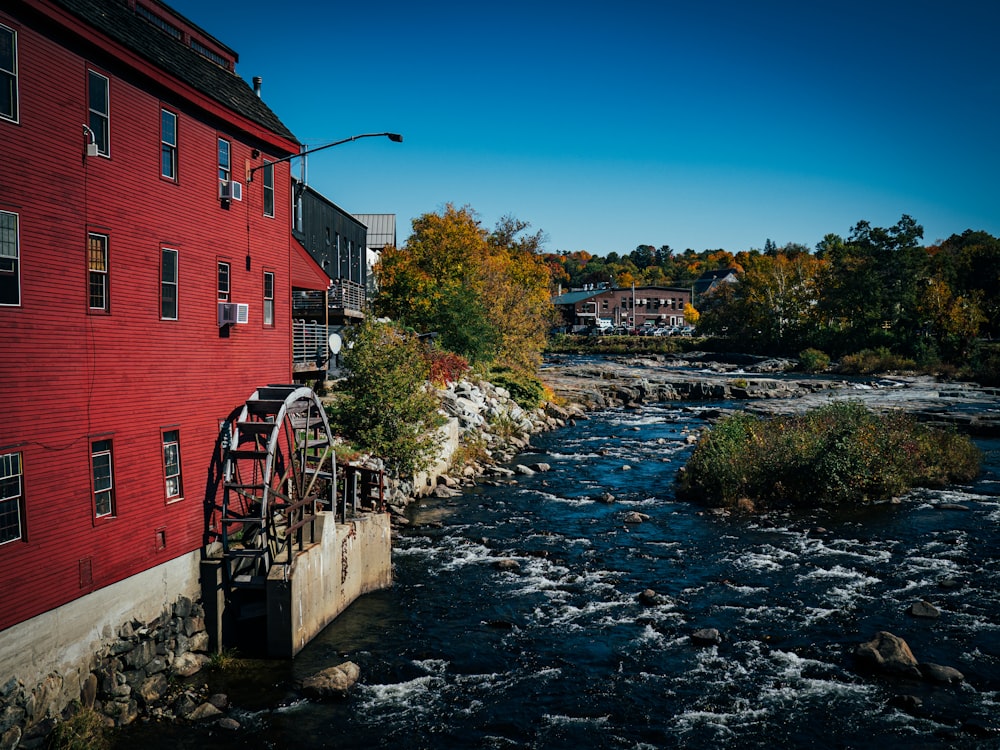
(527, 390)
(874, 361)
(985, 369)
(384, 405)
(813, 360)
(832, 455)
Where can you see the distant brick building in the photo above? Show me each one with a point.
(635, 307)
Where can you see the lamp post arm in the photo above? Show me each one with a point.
(395, 137)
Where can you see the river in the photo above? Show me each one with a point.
(562, 653)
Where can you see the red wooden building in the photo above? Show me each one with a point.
(126, 219)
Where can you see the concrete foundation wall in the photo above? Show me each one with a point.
(350, 559)
(66, 639)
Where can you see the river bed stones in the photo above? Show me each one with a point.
(889, 655)
(333, 682)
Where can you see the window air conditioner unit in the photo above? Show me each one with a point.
(227, 314)
(230, 191)
(242, 314)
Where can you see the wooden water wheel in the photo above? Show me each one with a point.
(278, 473)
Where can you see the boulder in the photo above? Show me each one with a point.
(152, 688)
(333, 682)
(925, 610)
(204, 711)
(908, 703)
(507, 564)
(706, 637)
(650, 598)
(635, 517)
(889, 654)
(188, 664)
(938, 673)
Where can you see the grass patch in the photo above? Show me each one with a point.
(840, 454)
(873, 362)
(84, 730)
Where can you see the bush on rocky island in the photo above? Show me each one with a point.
(832, 455)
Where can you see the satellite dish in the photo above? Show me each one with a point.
(335, 342)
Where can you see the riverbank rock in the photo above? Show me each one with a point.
(888, 654)
(333, 682)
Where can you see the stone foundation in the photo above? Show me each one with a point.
(129, 673)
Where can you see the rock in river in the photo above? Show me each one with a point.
(889, 654)
(333, 682)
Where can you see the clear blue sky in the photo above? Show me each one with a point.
(610, 125)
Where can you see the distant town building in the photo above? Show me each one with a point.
(631, 307)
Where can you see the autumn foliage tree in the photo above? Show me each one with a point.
(485, 294)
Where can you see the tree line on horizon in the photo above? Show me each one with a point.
(879, 287)
(485, 294)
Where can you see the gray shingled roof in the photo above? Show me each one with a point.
(571, 298)
(119, 22)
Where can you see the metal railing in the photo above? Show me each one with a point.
(309, 343)
(342, 295)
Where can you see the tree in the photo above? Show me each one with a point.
(952, 320)
(871, 285)
(385, 405)
(486, 295)
(771, 307)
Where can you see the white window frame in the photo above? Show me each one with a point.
(9, 78)
(165, 284)
(168, 148)
(103, 486)
(10, 252)
(268, 188)
(268, 299)
(12, 495)
(172, 474)
(99, 276)
(225, 161)
(225, 291)
(100, 121)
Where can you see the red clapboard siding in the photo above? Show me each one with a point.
(68, 376)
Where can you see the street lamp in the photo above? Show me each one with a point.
(394, 137)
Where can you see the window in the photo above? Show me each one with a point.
(8, 74)
(224, 282)
(104, 485)
(168, 284)
(225, 163)
(10, 261)
(100, 111)
(11, 498)
(168, 144)
(172, 464)
(97, 268)
(268, 298)
(268, 189)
